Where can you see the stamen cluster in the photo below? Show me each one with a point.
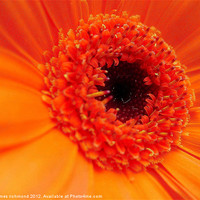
(76, 67)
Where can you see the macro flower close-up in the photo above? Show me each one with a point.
(100, 99)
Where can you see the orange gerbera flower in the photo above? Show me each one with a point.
(109, 111)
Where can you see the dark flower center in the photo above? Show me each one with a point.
(126, 86)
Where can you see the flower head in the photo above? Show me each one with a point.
(111, 97)
(115, 87)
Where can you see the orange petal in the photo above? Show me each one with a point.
(193, 74)
(189, 50)
(80, 180)
(185, 168)
(84, 10)
(134, 7)
(64, 15)
(194, 117)
(179, 21)
(23, 114)
(25, 28)
(40, 167)
(15, 68)
(112, 185)
(173, 186)
(191, 140)
(155, 11)
(97, 7)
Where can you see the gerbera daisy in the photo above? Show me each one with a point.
(98, 103)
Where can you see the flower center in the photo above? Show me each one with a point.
(127, 89)
(116, 88)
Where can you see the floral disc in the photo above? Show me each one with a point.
(116, 88)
